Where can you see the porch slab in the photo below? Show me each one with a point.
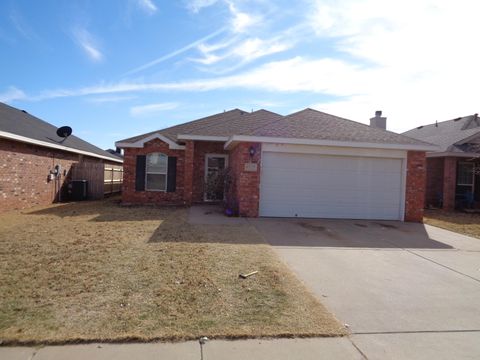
(212, 214)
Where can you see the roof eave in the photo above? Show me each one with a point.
(11, 136)
(202, 137)
(140, 143)
(235, 139)
(452, 154)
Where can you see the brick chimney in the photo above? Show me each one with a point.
(379, 121)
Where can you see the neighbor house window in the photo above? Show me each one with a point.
(156, 172)
(465, 174)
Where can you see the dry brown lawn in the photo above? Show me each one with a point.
(97, 271)
(463, 223)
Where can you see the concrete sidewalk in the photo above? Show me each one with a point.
(305, 349)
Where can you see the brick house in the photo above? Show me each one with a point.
(307, 164)
(453, 170)
(36, 164)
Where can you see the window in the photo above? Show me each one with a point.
(465, 173)
(156, 172)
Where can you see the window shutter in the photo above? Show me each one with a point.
(140, 173)
(172, 174)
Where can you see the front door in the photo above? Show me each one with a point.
(215, 166)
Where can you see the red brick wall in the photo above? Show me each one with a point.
(201, 148)
(434, 187)
(243, 194)
(415, 186)
(449, 183)
(24, 170)
(130, 196)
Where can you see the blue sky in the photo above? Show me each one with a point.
(114, 69)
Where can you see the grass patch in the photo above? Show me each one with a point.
(97, 271)
(463, 223)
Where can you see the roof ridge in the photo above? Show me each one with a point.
(269, 123)
(202, 119)
(368, 126)
(182, 124)
(441, 122)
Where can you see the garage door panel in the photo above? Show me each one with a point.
(349, 187)
(308, 185)
(305, 196)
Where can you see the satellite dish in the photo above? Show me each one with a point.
(64, 131)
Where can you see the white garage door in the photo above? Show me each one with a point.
(310, 185)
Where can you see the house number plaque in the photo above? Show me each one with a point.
(251, 167)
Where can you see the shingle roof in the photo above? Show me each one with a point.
(313, 124)
(305, 124)
(226, 124)
(448, 134)
(19, 122)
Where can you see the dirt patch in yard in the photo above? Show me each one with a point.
(463, 223)
(97, 271)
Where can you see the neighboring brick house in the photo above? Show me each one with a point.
(453, 170)
(35, 164)
(307, 164)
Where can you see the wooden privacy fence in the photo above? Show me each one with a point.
(113, 179)
(102, 178)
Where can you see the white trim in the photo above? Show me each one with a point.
(28, 140)
(140, 143)
(404, 189)
(225, 156)
(335, 150)
(156, 173)
(245, 138)
(202, 137)
(452, 154)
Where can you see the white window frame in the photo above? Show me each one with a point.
(156, 172)
(473, 174)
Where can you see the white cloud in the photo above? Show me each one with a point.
(415, 60)
(22, 26)
(241, 52)
(254, 48)
(297, 74)
(110, 99)
(175, 52)
(197, 5)
(424, 61)
(87, 43)
(12, 94)
(148, 6)
(241, 21)
(151, 109)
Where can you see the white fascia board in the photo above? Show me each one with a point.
(28, 140)
(202, 137)
(335, 150)
(261, 139)
(452, 154)
(140, 143)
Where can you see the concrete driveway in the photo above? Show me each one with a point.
(406, 291)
